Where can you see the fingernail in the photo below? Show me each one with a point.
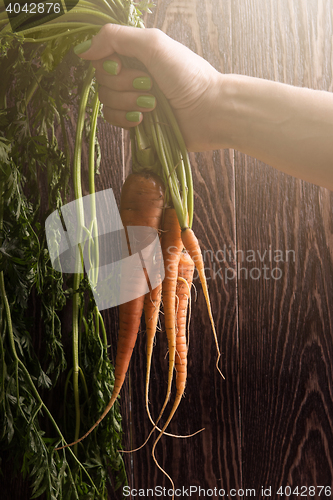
(110, 67)
(146, 101)
(133, 116)
(142, 83)
(82, 47)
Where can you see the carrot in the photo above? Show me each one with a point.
(191, 244)
(151, 310)
(184, 283)
(185, 277)
(141, 204)
(171, 247)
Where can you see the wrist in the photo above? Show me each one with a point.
(253, 112)
(227, 121)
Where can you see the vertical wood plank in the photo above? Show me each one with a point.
(286, 342)
(212, 458)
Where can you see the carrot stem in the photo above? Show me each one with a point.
(84, 28)
(78, 264)
(93, 240)
(6, 308)
(169, 174)
(105, 340)
(171, 144)
(78, 14)
(173, 122)
(56, 26)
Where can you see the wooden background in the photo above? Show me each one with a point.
(270, 423)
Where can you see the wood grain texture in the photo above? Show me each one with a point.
(209, 402)
(212, 458)
(285, 324)
(270, 423)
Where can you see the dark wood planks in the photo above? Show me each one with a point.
(212, 458)
(285, 324)
(270, 422)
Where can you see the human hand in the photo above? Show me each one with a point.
(189, 82)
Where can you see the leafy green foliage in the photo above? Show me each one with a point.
(38, 91)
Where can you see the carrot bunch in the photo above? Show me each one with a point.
(141, 204)
(159, 196)
(185, 270)
(161, 178)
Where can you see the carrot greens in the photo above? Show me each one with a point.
(43, 83)
(36, 100)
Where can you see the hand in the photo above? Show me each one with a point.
(289, 128)
(189, 82)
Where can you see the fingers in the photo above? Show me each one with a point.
(124, 109)
(126, 80)
(122, 119)
(124, 40)
(123, 94)
(110, 65)
(126, 100)
(122, 91)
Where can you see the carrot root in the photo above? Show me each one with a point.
(185, 273)
(191, 244)
(142, 200)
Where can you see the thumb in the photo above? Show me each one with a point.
(125, 40)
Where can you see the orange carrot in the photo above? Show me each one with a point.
(151, 309)
(185, 277)
(184, 283)
(191, 244)
(171, 247)
(141, 204)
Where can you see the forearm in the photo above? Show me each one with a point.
(289, 128)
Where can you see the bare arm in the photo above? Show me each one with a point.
(289, 128)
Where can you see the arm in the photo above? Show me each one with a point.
(289, 128)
